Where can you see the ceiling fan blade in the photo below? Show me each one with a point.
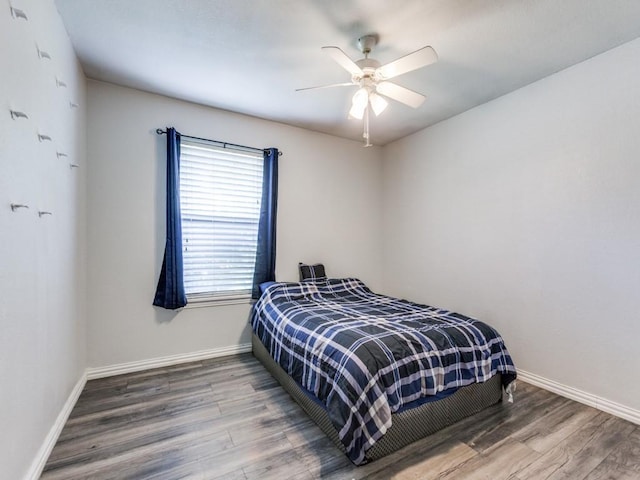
(343, 60)
(346, 84)
(418, 59)
(401, 94)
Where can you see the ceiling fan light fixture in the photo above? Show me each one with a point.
(378, 104)
(359, 103)
(360, 98)
(357, 111)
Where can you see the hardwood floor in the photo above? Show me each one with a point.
(229, 419)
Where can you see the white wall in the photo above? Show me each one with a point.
(42, 272)
(525, 212)
(329, 211)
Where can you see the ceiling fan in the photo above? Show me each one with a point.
(372, 78)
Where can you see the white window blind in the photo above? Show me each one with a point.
(220, 195)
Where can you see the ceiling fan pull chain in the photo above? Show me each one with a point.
(365, 134)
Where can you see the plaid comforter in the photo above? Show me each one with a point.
(365, 355)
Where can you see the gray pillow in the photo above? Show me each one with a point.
(312, 272)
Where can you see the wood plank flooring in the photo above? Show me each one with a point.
(229, 419)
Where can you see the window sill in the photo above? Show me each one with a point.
(217, 301)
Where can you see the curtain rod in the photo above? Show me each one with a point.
(159, 131)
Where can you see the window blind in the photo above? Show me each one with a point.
(220, 194)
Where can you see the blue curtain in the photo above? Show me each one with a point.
(265, 269)
(170, 291)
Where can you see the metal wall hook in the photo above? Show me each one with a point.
(73, 105)
(41, 213)
(60, 154)
(15, 114)
(42, 137)
(17, 13)
(60, 83)
(42, 53)
(16, 206)
(73, 165)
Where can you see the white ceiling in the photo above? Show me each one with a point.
(249, 56)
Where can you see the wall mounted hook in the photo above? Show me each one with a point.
(43, 54)
(41, 213)
(15, 114)
(17, 13)
(60, 154)
(42, 137)
(73, 165)
(73, 105)
(16, 206)
(60, 83)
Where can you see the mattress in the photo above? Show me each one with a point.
(408, 426)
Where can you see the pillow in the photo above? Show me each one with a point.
(312, 272)
(264, 285)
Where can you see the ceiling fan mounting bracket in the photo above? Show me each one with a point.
(367, 42)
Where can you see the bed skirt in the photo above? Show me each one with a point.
(408, 426)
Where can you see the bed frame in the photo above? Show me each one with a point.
(408, 426)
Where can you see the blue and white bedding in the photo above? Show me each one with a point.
(365, 356)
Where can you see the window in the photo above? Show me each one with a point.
(220, 194)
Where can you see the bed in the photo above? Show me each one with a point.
(376, 372)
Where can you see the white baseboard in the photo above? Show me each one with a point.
(39, 462)
(137, 366)
(586, 398)
(91, 373)
(52, 437)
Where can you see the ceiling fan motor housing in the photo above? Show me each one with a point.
(368, 67)
(366, 64)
